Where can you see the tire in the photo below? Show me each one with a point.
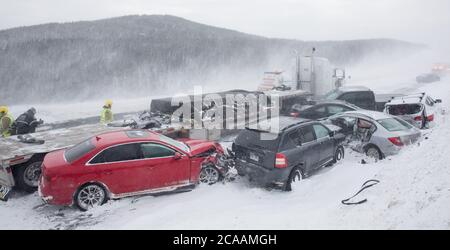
(90, 196)
(209, 175)
(339, 154)
(28, 174)
(295, 177)
(374, 152)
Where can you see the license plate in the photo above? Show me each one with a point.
(4, 191)
(254, 157)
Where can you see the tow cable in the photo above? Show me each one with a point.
(366, 185)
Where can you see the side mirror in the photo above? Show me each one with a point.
(177, 156)
(332, 134)
(438, 101)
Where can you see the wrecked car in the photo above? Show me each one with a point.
(322, 110)
(121, 164)
(283, 159)
(374, 133)
(419, 109)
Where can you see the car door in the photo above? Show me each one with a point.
(309, 147)
(297, 145)
(314, 113)
(326, 144)
(346, 123)
(121, 168)
(166, 169)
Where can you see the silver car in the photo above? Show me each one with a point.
(374, 133)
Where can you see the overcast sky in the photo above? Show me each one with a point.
(425, 21)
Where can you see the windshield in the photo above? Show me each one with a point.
(394, 124)
(404, 109)
(76, 152)
(174, 143)
(333, 95)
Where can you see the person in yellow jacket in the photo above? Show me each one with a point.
(107, 115)
(6, 122)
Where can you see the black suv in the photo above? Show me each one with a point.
(283, 159)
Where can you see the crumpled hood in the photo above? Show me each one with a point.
(200, 146)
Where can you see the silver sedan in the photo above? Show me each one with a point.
(374, 133)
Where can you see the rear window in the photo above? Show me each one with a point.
(404, 109)
(258, 139)
(394, 124)
(76, 152)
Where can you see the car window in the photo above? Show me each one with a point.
(76, 152)
(336, 109)
(404, 123)
(320, 109)
(349, 97)
(321, 131)
(307, 134)
(290, 140)
(258, 139)
(394, 124)
(345, 122)
(365, 124)
(126, 152)
(314, 112)
(360, 99)
(404, 109)
(152, 150)
(175, 143)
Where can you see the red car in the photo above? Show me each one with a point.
(124, 163)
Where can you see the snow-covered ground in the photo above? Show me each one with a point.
(413, 193)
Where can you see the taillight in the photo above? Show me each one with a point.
(418, 118)
(396, 141)
(281, 161)
(430, 118)
(295, 114)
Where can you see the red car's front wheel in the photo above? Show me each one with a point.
(209, 175)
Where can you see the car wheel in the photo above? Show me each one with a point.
(209, 175)
(374, 152)
(27, 176)
(294, 180)
(90, 196)
(339, 154)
